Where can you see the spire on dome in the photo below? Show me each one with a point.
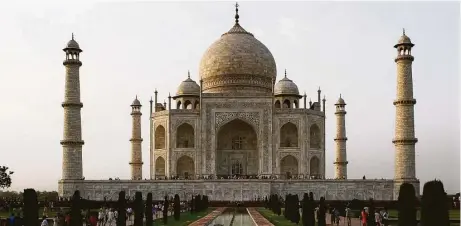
(403, 31)
(285, 72)
(72, 35)
(188, 74)
(236, 13)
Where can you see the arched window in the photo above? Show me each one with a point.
(160, 167)
(187, 104)
(185, 136)
(295, 104)
(289, 166)
(185, 167)
(197, 105)
(286, 104)
(315, 137)
(314, 166)
(289, 135)
(277, 104)
(178, 105)
(160, 137)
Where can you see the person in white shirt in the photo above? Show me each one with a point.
(101, 216)
(129, 212)
(377, 218)
(110, 217)
(45, 221)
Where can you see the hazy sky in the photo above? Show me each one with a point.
(132, 48)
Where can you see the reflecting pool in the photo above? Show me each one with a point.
(233, 216)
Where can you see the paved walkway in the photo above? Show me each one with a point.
(257, 218)
(342, 221)
(204, 220)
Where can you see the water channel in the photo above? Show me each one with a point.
(233, 216)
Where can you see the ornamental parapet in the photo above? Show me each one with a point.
(72, 62)
(72, 142)
(407, 102)
(298, 111)
(405, 141)
(404, 57)
(71, 104)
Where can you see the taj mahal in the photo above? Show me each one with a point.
(238, 134)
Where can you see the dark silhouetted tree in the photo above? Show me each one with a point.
(177, 207)
(76, 218)
(296, 217)
(434, 208)
(30, 207)
(166, 205)
(322, 212)
(148, 212)
(121, 209)
(138, 209)
(407, 205)
(5, 177)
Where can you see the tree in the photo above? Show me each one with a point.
(286, 208)
(76, 218)
(149, 217)
(311, 209)
(138, 209)
(121, 209)
(371, 214)
(322, 212)
(192, 204)
(407, 205)
(296, 217)
(165, 210)
(5, 177)
(305, 207)
(30, 207)
(434, 209)
(177, 207)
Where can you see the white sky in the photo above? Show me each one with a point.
(132, 48)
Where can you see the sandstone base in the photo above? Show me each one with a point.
(232, 190)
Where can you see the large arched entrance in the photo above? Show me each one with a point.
(237, 149)
(288, 166)
(185, 167)
(314, 167)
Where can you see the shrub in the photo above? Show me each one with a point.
(434, 210)
(407, 205)
(177, 207)
(30, 207)
(138, 209)
(121, 209)
(76, 218)
(149, 217)
(166, 205)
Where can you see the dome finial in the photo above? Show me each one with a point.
(403, 31)
(72, 35)
(188, 74)
(236, 12)
(285, 72)
(340, 95)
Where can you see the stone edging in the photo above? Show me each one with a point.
(257, 218)
(208, 218)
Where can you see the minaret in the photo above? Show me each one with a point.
(72, 142)
(136, 141)
(341, 158)
(404, 140)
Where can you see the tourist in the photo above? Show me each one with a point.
(364, 216)
(348, 216)
(110, 217)
(101, 217)
(377, 218)
(129, 212)
(44, 221)
(336, 213)
(385, 217)
(11, 219)
(332, 215)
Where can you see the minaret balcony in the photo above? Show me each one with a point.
(72, 62)
(404, 57)
(341, 163)
(136, 139)
(70, 104)
(405, 102)
(71, 142)
(340, 139)
(407, 141)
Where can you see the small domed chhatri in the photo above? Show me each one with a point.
(72, 44)
(340, 101)
(286, 87)
(136, 102)
(237, 62)
(188, 87)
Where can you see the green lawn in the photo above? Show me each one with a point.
(274, 218)
(454, 214)
(186, 218)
